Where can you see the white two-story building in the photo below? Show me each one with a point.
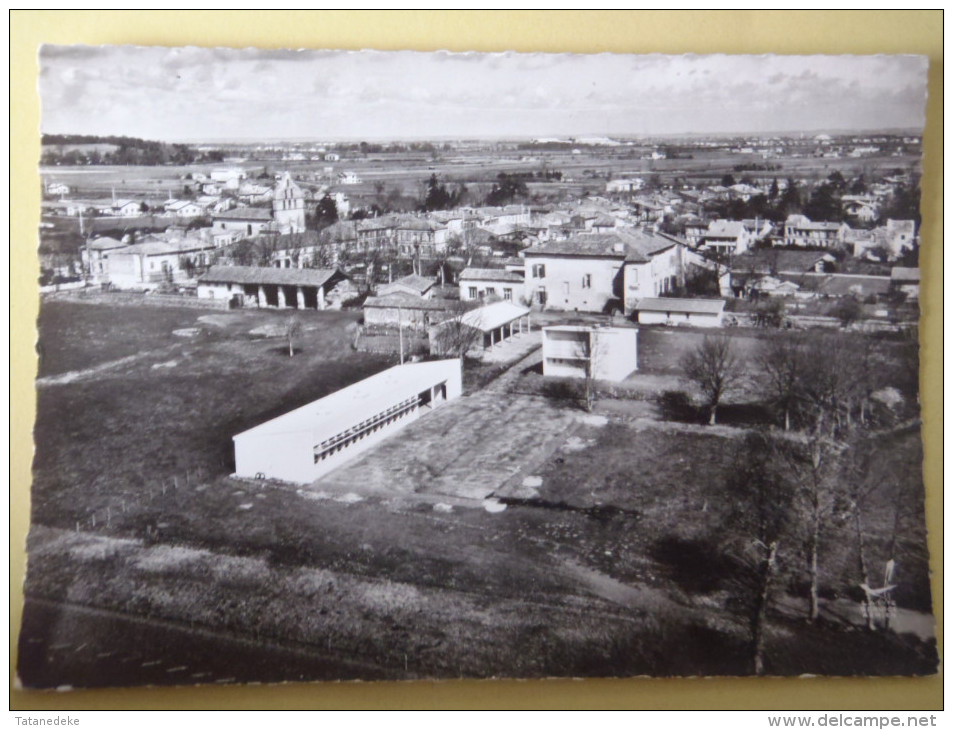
(603, 272)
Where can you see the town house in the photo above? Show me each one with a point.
(603, 272)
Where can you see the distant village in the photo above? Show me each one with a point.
(830, 247)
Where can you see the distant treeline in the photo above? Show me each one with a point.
(81, 149)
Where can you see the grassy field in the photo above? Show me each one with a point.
(584, 172)
(608, 559)
(124, 403)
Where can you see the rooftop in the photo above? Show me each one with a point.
(404, 301)
(490, 275)
(420, 284)
(245, 214)
(493, 315)
(360, 401)
(773, 259)
(632, 245)
(905, 273)
(267, 275)
(105, 243)
(840, 284)
(725, 228)
(671, 304)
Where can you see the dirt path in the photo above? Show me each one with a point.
(75, 375)
(161, 355)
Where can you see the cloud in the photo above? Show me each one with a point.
(200, 92)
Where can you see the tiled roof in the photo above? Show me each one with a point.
(840, 284)
(415, 224)
(472, 273)
(245, 214)
(154, 246)
(404, 301)
(411, 281)
(105, 243)
(632, 245)
(767, 260)
(267, 275)
(723, 228)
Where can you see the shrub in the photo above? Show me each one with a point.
(563, 389)
(676, 406)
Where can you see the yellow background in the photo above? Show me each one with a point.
(789, 32)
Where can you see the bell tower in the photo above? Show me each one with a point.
(288, 205)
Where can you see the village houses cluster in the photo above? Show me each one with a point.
(635, 250)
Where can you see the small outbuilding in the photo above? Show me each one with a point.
(604, 353)
(477, 284)
(479, 329)
(404, 310)
(673, 311)
(907, 280)
(310, 441)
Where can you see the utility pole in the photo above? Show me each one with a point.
(400, 334)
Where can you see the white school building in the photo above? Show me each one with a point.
(310, 441)
(608, 353)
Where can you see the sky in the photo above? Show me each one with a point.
(177, 94)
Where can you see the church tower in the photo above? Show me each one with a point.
(288, 205)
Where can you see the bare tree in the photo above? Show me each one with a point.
(453, 336)
(715, 369)
(814, 467)
(592, 350)
(761, 497)
(782, 360)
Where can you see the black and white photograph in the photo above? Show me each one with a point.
(401, 365)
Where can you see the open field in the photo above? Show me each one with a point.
(584, 172)
(609, 559)
(152, 404)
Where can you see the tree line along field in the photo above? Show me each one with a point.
(628, 559)
(582, 173)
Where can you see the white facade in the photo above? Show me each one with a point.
(311, 441)
(681, 312)
(570, 283)
(477, 284)
(658, 276)
(288, 204)
(608, 353)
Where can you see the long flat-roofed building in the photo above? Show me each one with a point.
(672, 311)
(310, 441)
